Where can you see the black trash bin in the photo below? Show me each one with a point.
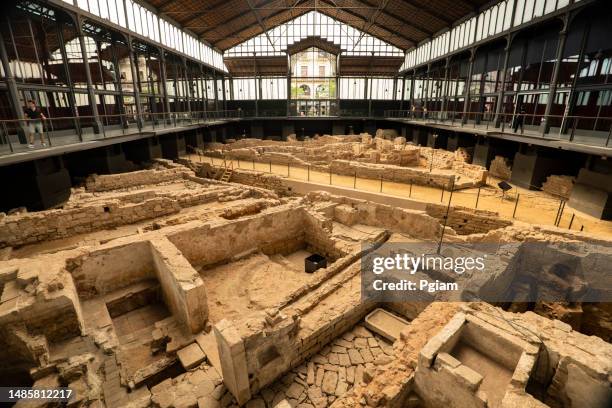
(314, 262)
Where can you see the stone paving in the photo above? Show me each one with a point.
(328, 374)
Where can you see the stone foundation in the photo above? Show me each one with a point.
(383, 156)
(560, 186)
(501, 168)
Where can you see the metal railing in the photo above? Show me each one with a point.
(590, 130)
(15, 133)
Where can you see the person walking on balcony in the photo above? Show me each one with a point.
(519, 120)
(35, 125)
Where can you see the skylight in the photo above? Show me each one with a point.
(275, 41)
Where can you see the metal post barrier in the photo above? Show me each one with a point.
(560, 214)
(381, 184)
(330, 176)
(270, 166)
(446, 216)
(558, 211)
(288, 169)
(581, 228)
(355, 181)
(410, 191)
(477, 197)
(442, 197)
(571, 221)
(516, 205)
(253, 164)
(309, 172)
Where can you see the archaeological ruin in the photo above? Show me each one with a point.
(201, 283)
(306, 204)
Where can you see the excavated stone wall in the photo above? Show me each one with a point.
(259, 349)
(501, 168)
(97, 213)
(415, 223)
(277, 231)
(560, 186)
(442, 159)
(390, 158)
(108, 182)
(467, 221)
(113, 267)
(574, 367)
(54, 224)
(391, 173)
(260, 179)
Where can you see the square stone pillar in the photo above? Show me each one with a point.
(233, 361)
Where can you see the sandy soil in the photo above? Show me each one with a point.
(254, 283)
(534, 207)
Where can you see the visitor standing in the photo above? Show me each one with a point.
(519, 120)
(35, 125)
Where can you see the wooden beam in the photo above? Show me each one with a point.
(431, 11)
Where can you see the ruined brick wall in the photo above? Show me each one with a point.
(346, 317)
(473, 171)
(501, 168)
(391, 173)
(442, 159)
(467, 221)
(414, 223)
(386, 133)
(28, 228)
(559, 185)
(105, 270)
(406, 156)
(260, 179)
(108, 182)
(278, 230)
(317, 231)
(457, 161)
(44, 301)
(464, 154)
(281, 340)
(300, 154)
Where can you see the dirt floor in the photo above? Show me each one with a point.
(254, 283)
(138, 319)
(535, 207)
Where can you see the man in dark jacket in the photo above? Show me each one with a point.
(35, 118)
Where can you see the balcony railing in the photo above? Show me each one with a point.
(590, 130)
(58, 131)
